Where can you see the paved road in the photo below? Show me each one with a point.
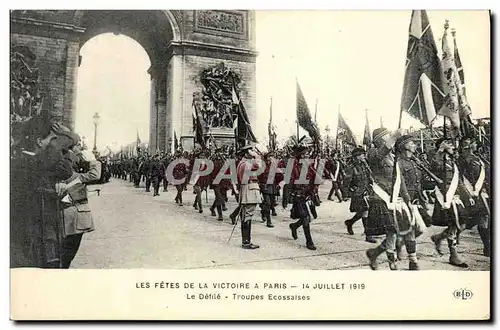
(137, 230)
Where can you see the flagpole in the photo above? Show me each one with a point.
(422, 140)
(444, 159)
(337, 133)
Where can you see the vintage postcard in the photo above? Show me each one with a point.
(250, 165)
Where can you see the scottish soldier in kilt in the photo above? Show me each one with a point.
(388, 212)
(449, 209)
(157, 173)
(267, 190)
(412, 176)
(217, 187)
(302, 196)
(200, 183)
(476, 178)
(180, 172)
(359, 185)
(337, 173)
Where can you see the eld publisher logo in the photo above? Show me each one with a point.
(463, 294)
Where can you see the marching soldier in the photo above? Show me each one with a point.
(449, 209)
(249, 194)
(412, 176)
(200, 183)
(157, 173)
(475, 175)
(302, 195)
(267, 191)
(180, 172)
(359, 186)
(387, 212)
(337, 174)
(219, 201)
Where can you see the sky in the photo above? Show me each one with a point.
(347, 60)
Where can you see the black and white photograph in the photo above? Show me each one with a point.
(331, 141)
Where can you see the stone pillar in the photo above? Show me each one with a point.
(152, 113)
(70, 83)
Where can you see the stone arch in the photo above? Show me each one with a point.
(174, 18)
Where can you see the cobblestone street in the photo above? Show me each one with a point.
(136, 230)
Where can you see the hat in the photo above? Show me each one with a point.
(465, 145)
(244, 149)
(441, 140)
(379, 133)
(59, 129)
(299, 148)
(358, 151)
(402, 140)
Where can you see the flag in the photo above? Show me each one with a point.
(138, 142)
(344, 132)
(200, 128)
(423, 90)
(244, 129)
(270, 129)
(455, 102)
(466, 126)
(367, 137)
(176, 142)
(304, 115)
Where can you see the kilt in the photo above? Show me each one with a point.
(446, 217)
(358, 204)
(477, 213)
(379, 218)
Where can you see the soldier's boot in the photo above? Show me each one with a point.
(195, 204)
(399, 248)
(484, 233)
(237, 197)
(219, 213)
(246, 234)
(372, 255)
(224, 207)
(339, 196)
(348, 224)
(454, 257)
(309, 241)
(269, 224)
(411, 248)
(458, 238)
(293, 228)
(273, 210)
(391, 258)
(437, 239)
(212, 211)
(199, 207)
(180, 200)
(330, 195)
(233, 215)
(262, 214)
(369, 239)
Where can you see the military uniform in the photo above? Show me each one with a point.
(449, 209)
(302, 196)
(157, 173)
(337, 174)
(249, 198)
(268, 193)
(359, 186)
(180, 172)
(475, 174)
(386, 212)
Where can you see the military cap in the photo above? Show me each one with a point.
(402, 140)
(378, 133)
(358, 151)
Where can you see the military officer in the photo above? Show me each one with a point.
(337, 172)
(249, 193)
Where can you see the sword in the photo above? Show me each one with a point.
(235, 222)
